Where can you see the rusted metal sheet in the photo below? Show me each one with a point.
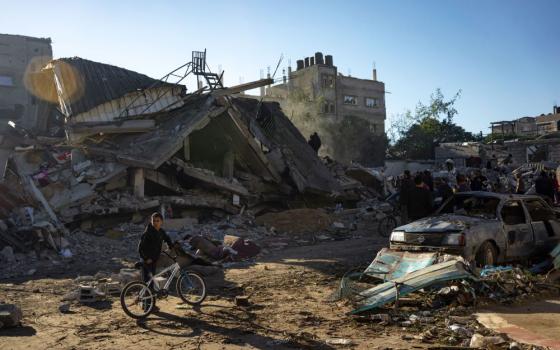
(389, 291)
(390, 264)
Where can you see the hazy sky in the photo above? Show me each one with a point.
(503, 55)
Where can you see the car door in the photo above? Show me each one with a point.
(544, 223)
(518, 231)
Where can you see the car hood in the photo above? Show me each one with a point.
(442, 223)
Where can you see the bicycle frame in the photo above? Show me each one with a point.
(175, 269)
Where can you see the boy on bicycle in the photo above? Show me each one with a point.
(149, 247)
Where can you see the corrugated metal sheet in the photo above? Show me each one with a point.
(148, 101)
(83, 84)
(389, 264)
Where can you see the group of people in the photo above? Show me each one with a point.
(418, 191)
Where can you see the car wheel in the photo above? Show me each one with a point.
(487, 255)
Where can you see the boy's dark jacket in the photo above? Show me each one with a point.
(150, 243)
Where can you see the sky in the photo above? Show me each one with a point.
(504, 56)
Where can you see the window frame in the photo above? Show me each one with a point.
(353, 97)
(521, 205)
(375, 104)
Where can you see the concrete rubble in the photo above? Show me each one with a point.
(436, 302)
(124, 145)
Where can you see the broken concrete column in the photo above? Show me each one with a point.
(138, 182)
(187, 148)
(10, 315)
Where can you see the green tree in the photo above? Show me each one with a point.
(415, 136)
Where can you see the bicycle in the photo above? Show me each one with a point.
(138, 299)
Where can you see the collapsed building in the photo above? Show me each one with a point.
(123, 144)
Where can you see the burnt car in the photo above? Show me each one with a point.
(485, 228)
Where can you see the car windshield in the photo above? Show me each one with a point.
(471, 205)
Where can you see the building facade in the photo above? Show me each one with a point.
(529, 126)
(348, 113)
(20, 57)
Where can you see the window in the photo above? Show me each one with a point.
(328, 81)
(350, 100)
(471, 205)
(513, 214)
(328, 107)
(539, 211)
(372, 102)
(6, 80)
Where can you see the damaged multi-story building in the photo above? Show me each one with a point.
(348, 113)
(21, 57)
(131, 144)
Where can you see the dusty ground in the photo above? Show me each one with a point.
(289, 309)
(535, 322)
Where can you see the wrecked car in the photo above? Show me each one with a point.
(485, 228)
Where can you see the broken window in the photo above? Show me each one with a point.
(537, 153)
(328, 81)
(328, 107)
(539, 211)
(372, 102)
(6, 80)
(350, 100)
(471, 205)
(513, 214)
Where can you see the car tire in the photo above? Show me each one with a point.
(487, 255)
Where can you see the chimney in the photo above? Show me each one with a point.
(306, 62)
(329, 60)
(319, 58)
(374, 74)
(289, 72)
(556, 109)
(299, 64)
(311, 61)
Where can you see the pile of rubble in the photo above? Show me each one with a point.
(120, 145)
(436, 302)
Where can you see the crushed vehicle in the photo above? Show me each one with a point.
(485, 228)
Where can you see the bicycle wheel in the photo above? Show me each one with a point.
(386, 226)
(191, 288)
(137, 300)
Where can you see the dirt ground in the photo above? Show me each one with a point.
(534, 322)
(290, 307)
(289, 297)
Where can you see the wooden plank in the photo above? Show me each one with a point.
(209, 178)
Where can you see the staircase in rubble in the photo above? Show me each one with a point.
(199, 68)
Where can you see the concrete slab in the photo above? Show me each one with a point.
(536, 323)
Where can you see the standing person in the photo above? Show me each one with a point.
(477, 182)
(404, 192)
(420, 203)
(444, 190)
(519, 184)
(428, 179)
(149, 247)
(462, 185)
(544, 187)
(315, 142)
